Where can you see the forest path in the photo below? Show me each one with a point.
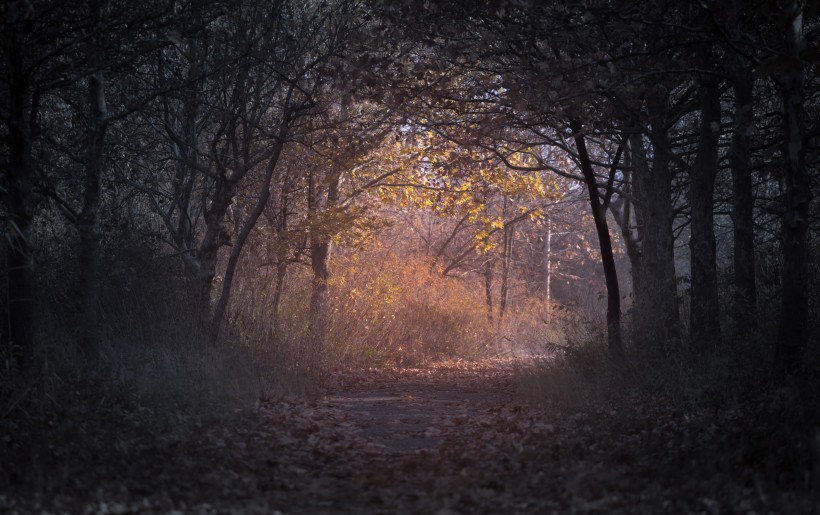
(450, 439)
(406, 440)
(413, 409)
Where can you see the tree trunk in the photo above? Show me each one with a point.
(622, 213)
(282, 247)
(506, 259)
(704, 311)
(548, 269)
(19, 201)
(658, 321)
(793, 324)
(613, 306)
(745, 289)
(247, 227)
(321, 247)
(216, 236)
(88, 219)
(488, 287)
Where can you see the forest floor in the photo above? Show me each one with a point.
(453, 438)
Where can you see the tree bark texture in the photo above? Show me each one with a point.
(658, 321)
(704, 307)
(506, 260)
(745, 288)
(280, 222)
(321, 247)
(19, 200)
(216, 236)
(89, 217)
(488, 286)
(623, 214)
(793, 323)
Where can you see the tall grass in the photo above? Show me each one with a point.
(392, 309)
(388, 308)
(384, 309)
(154, 346)
(157, 376)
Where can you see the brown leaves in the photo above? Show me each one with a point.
(449, 439)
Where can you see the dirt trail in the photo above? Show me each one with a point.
(416, 408)
(446, 440)
(384, 441)
(398, 437)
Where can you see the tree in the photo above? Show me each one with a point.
(793, 324)
(21, 85)
(599, 208)
(742, 80)
(704, 307)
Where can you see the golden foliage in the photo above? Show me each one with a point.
(392, 309)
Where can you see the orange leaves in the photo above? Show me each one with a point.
(399, 309)
(452, 179)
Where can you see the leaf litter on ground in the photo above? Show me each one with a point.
(451, 438)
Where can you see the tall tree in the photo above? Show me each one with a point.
(704, 323)
(599, 208)
(743, 258)
(792, 334)
(657, 322)
(20, 118)
(745, 288)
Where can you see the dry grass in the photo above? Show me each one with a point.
(383, 310)
(388, 309)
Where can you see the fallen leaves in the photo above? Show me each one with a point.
(450, 439)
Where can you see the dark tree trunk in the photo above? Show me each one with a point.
(185, 178)
(506, 259)
(623, 214)
(613, 311)
(745, 289)
(282, 246)
(488, 287)
(793, 324)
(657, 318)
(216, 236)
(245, 231)
(704, 310)
(88, 219)
(19, 201)
(321, 247)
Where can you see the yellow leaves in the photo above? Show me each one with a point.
(435, 175)
(485, 244)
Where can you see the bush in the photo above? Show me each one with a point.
(401, 310)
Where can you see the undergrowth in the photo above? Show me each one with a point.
(388, 309)
(157, 377)
(721, 415)
(384, 310)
